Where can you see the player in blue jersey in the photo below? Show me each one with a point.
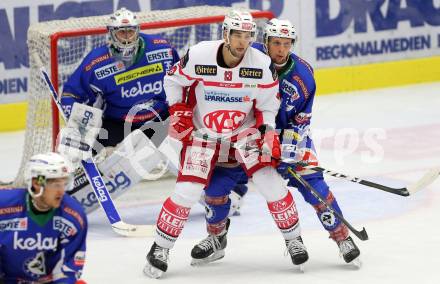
(124, 78)
(42, 230)
(297, 90)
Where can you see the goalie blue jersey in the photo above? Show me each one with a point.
(125, 94)
(44, 248)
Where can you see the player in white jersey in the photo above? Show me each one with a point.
(233, 95)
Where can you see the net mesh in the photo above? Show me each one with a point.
(72, 49)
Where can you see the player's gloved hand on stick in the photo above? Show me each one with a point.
(181, 124)
(269, 145)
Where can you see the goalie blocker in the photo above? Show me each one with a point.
(76, 140)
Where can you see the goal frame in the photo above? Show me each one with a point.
(55, 37)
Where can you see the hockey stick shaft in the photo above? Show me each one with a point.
(362, 235)
(427, 179)
(399, 191)
(423, 182)
(98, 185)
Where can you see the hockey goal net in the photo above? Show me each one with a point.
(61, 46)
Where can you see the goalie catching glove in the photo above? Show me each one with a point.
(181, 125)
(76, 140)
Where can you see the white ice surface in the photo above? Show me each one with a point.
(404, 244)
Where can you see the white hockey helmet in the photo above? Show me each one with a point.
(280, 28)
(125, 20)
(239, 20)
(46, 166)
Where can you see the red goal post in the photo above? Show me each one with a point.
(61, 45)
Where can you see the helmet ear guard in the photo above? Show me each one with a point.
(41, 180)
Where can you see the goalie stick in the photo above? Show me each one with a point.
(423, 182)
(98, 185)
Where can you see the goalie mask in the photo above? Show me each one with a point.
(123, 35)
(43, 167)
(239, 21)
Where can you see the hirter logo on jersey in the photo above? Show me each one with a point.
(254, 73)
(207, 70)
(224, 121)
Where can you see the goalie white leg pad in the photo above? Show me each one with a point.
(136, 155)
(129, 163)
(170, 149)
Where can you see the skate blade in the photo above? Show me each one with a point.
(301, 268)
(215, 256)
(357, 263)
(152, 271)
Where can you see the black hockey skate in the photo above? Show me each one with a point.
(157, 261)
(349, 251)
(210, 249)
(297, 251)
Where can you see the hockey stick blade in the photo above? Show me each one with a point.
(362, 234)
(399, 191)
(426, 180)
(95, 179)
(129, 230)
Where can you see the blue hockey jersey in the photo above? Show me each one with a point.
(104, 82)
(48, 248)
(297, 91)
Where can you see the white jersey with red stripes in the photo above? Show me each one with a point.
(227, 101)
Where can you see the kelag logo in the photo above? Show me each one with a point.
(384, 15)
